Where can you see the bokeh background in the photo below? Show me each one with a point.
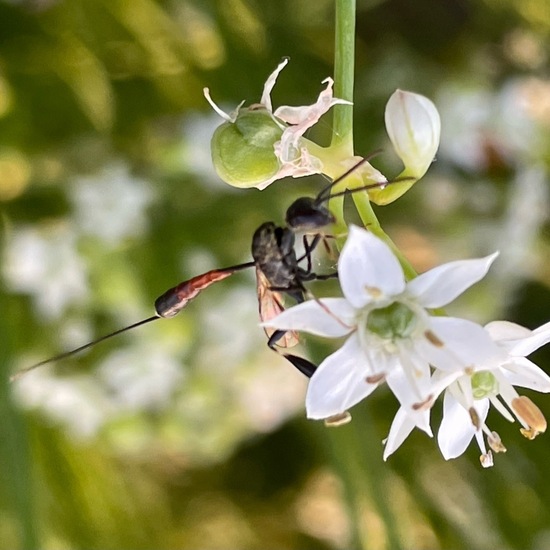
(190, 433)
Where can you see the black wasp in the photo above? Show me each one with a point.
(278, 272)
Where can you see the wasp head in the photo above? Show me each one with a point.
(307, 214)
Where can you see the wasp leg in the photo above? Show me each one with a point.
(324, 276)
(303, 365)
(306, 367)
(308, 249)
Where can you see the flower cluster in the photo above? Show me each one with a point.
(395, 338)
(397, 333)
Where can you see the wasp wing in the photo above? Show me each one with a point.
(271, 304)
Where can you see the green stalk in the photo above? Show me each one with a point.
(370, 221)
(344, 73)
(346, 445)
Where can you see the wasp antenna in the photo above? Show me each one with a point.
(66, 354)
(324, 194)
(371, 186)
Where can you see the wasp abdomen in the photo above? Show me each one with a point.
(174, 300)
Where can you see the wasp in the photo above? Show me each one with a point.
(278, 272)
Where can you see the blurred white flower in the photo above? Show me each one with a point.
(483, 126)
(77, 403)
(45, 264)
(112, 204)
(142, 377)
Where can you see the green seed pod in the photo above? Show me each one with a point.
(242, 151)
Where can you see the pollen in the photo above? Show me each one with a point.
(496, 443)
(486, 459)
(374, 292)
(433, 339)
(338, 420)
(424, 405)
(531, 415)
(475, 418)
(376, 378)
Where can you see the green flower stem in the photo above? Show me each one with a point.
(370, 221)
(341, 146)
(344, 73)
(362, 479)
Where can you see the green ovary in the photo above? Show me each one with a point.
(484, 384)
(392, 322)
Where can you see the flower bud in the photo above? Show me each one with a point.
(414, 128)
(243, 150)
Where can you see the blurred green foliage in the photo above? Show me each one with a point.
(191, 434)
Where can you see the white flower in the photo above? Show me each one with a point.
(414, 128)
(392, 337)
(258, 145)
(45, 263)
(406, 418)
(112, 204)
(467, 400)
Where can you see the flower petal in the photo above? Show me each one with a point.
(334, 318)
(302, 119)
(538, 338)
(453, 343)
(379, 361)
(368, 270)
(414, 127)
(442, 379)
(411, 383)
(456, 430)
(505, 330)
(441, 285)
(400, 429)
(339, 382)
(269, 83)
(524, 373)
(308, 115)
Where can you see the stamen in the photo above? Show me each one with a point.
(501, 408)
(433, 339)
(376, 378)
(424, 405)
(496, 443)
(476, 421)
(338, 420)
(374, 291)
(486, 459)
(531, 415)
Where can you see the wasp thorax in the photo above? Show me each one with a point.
(306, 213)
(392, 322)
(243, 151)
